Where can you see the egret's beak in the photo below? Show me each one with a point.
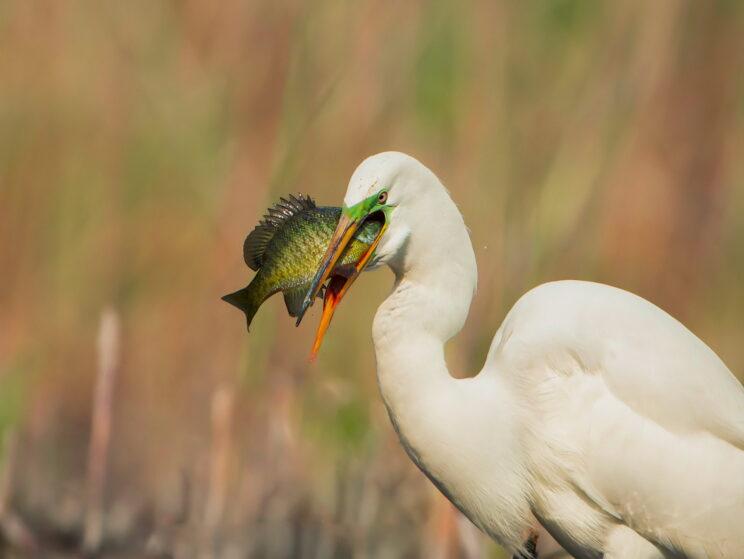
(339, 284)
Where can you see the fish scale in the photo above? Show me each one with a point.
(286, 248)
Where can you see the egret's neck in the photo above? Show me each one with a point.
(435, 280)
(436, 277)
(413, 324)
(439, 419)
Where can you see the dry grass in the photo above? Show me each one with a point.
(140, 141)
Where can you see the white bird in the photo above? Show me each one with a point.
(597, 415)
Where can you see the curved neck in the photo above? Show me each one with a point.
(410, 330)
(440, 419)
(436, 276)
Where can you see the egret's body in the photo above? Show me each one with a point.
(596, 414)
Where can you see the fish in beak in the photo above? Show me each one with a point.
(343, 277)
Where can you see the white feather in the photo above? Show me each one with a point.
(596, 413)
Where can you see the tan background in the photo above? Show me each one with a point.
(140, 141)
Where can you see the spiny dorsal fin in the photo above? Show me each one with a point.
(256, 242)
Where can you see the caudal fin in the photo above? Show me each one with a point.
(245, 299)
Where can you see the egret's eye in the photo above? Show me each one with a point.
(382, 197)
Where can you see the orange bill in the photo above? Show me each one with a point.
(339, 285)
(341, 236)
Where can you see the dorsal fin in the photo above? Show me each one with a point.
(257, 240)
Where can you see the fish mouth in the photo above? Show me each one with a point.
(340, 282)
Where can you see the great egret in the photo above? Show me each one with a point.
(596, 415)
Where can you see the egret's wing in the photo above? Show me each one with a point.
(631, 410)
(646, 358)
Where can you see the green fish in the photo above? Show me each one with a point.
(286, 248)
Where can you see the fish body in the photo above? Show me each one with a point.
(285, 249)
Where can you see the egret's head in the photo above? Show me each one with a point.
(391, 187)
(388, 184)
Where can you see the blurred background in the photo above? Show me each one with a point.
(141, 141)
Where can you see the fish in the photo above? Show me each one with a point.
(285, 250)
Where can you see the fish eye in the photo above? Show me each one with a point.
(382, 197)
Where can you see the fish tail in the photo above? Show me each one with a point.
(247, 300)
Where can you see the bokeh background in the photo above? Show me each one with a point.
(140, 141)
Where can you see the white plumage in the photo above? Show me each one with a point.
(596, 414)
